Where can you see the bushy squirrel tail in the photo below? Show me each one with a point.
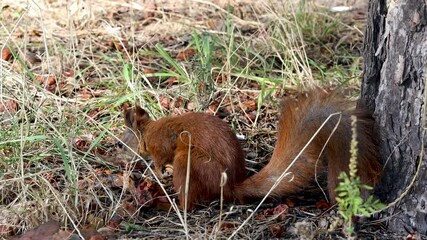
(328, 151)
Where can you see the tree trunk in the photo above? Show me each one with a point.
(395, 56)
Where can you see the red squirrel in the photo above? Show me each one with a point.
(215, 149)
(212, 146)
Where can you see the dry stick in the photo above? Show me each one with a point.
(224, 178)
(221, 203)
(187, 183)
(320, 154)
(283, 175)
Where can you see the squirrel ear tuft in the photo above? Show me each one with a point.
(135, 117)
(139, 111)
(140, 117)
(128, 116)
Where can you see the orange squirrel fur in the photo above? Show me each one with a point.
(215, 149)
(300, 118)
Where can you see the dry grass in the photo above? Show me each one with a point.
(76, 62)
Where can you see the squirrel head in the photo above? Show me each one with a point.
(136, 121)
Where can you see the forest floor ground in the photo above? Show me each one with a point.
(68, 67)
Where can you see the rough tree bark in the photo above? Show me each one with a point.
(395, 57)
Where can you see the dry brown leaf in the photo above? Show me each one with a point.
(178, 102)
(124, 181)
(46, 80)
(67, 88)
(145, 192)
(9, 105)
(412, 236)
(148, 193)
(94, 113)
(249, 105)
(186, 54)
(213, 107)
(6, 230)
(148, 71)
(68, 73)
(151, 79)
(150, 9)
(201, 86)
(114, 222)
(191, 106)
(86, 96)
(171, 81)
(229, 226)
(280, 212)
(228, 109)
(220, 78)
(322, 204)
(98, 237)
(46, 231)
(90, 232)
(165, 102)
(81, 144)
(276, 230)
(6, 54)
(251, 116)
